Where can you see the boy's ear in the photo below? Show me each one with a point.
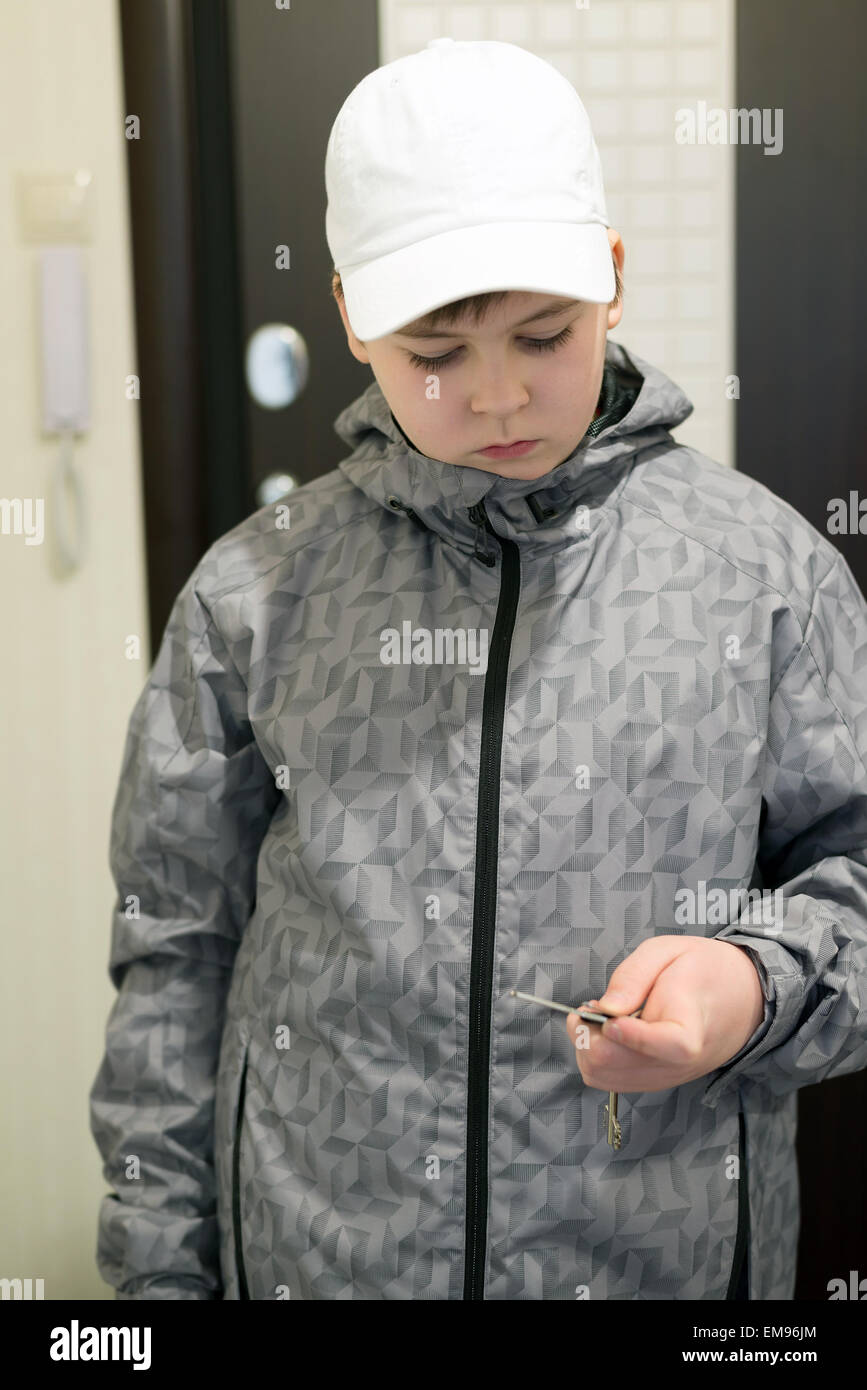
(619, 253)
(356, 346)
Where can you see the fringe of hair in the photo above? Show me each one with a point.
(475, 306)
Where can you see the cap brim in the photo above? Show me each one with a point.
(569, 259)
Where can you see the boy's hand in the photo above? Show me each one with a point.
(704, 1000)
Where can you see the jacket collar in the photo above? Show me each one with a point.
(535, 512)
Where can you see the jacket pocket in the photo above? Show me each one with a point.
(243, 1292)
(739, 1282)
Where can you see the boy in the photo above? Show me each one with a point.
(580, 718)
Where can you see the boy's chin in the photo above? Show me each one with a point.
(518, 468)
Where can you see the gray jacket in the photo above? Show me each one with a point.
(431, 735)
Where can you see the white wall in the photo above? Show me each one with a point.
(633, 64)
(67, 689)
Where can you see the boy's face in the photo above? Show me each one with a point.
(496, 385)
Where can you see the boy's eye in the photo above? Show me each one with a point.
(534, 345)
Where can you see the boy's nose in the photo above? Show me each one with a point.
(499, 396)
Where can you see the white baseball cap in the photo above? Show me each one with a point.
(463, 168)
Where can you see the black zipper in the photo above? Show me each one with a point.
(397, 506)
(484, 909)
(739, 1281)
(243, 1292)
(417, 519)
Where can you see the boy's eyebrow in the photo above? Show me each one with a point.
(418, 330)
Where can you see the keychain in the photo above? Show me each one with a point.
(589, 1015)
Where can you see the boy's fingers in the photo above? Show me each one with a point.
(664, 1042)
(634, 978)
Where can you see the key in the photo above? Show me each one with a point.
(590, 1014)
(614, 1133)
(584, 1011)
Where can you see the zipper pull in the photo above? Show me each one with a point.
(397, 506)
(479, 518)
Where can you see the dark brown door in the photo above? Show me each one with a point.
(291, 71)
(235, 101)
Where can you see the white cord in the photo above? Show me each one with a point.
(71, 552)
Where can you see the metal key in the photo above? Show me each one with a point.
(614, 1131)
(614, 1135)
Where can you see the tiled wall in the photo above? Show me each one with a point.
(634, 63)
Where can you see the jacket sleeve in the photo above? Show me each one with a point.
(194, 800)
(812, 960)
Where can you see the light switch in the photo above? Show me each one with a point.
(55, 207)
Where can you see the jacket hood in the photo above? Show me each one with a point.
(386, 467)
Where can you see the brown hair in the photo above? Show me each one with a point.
(476, 306)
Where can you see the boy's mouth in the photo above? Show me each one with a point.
(504, 451)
